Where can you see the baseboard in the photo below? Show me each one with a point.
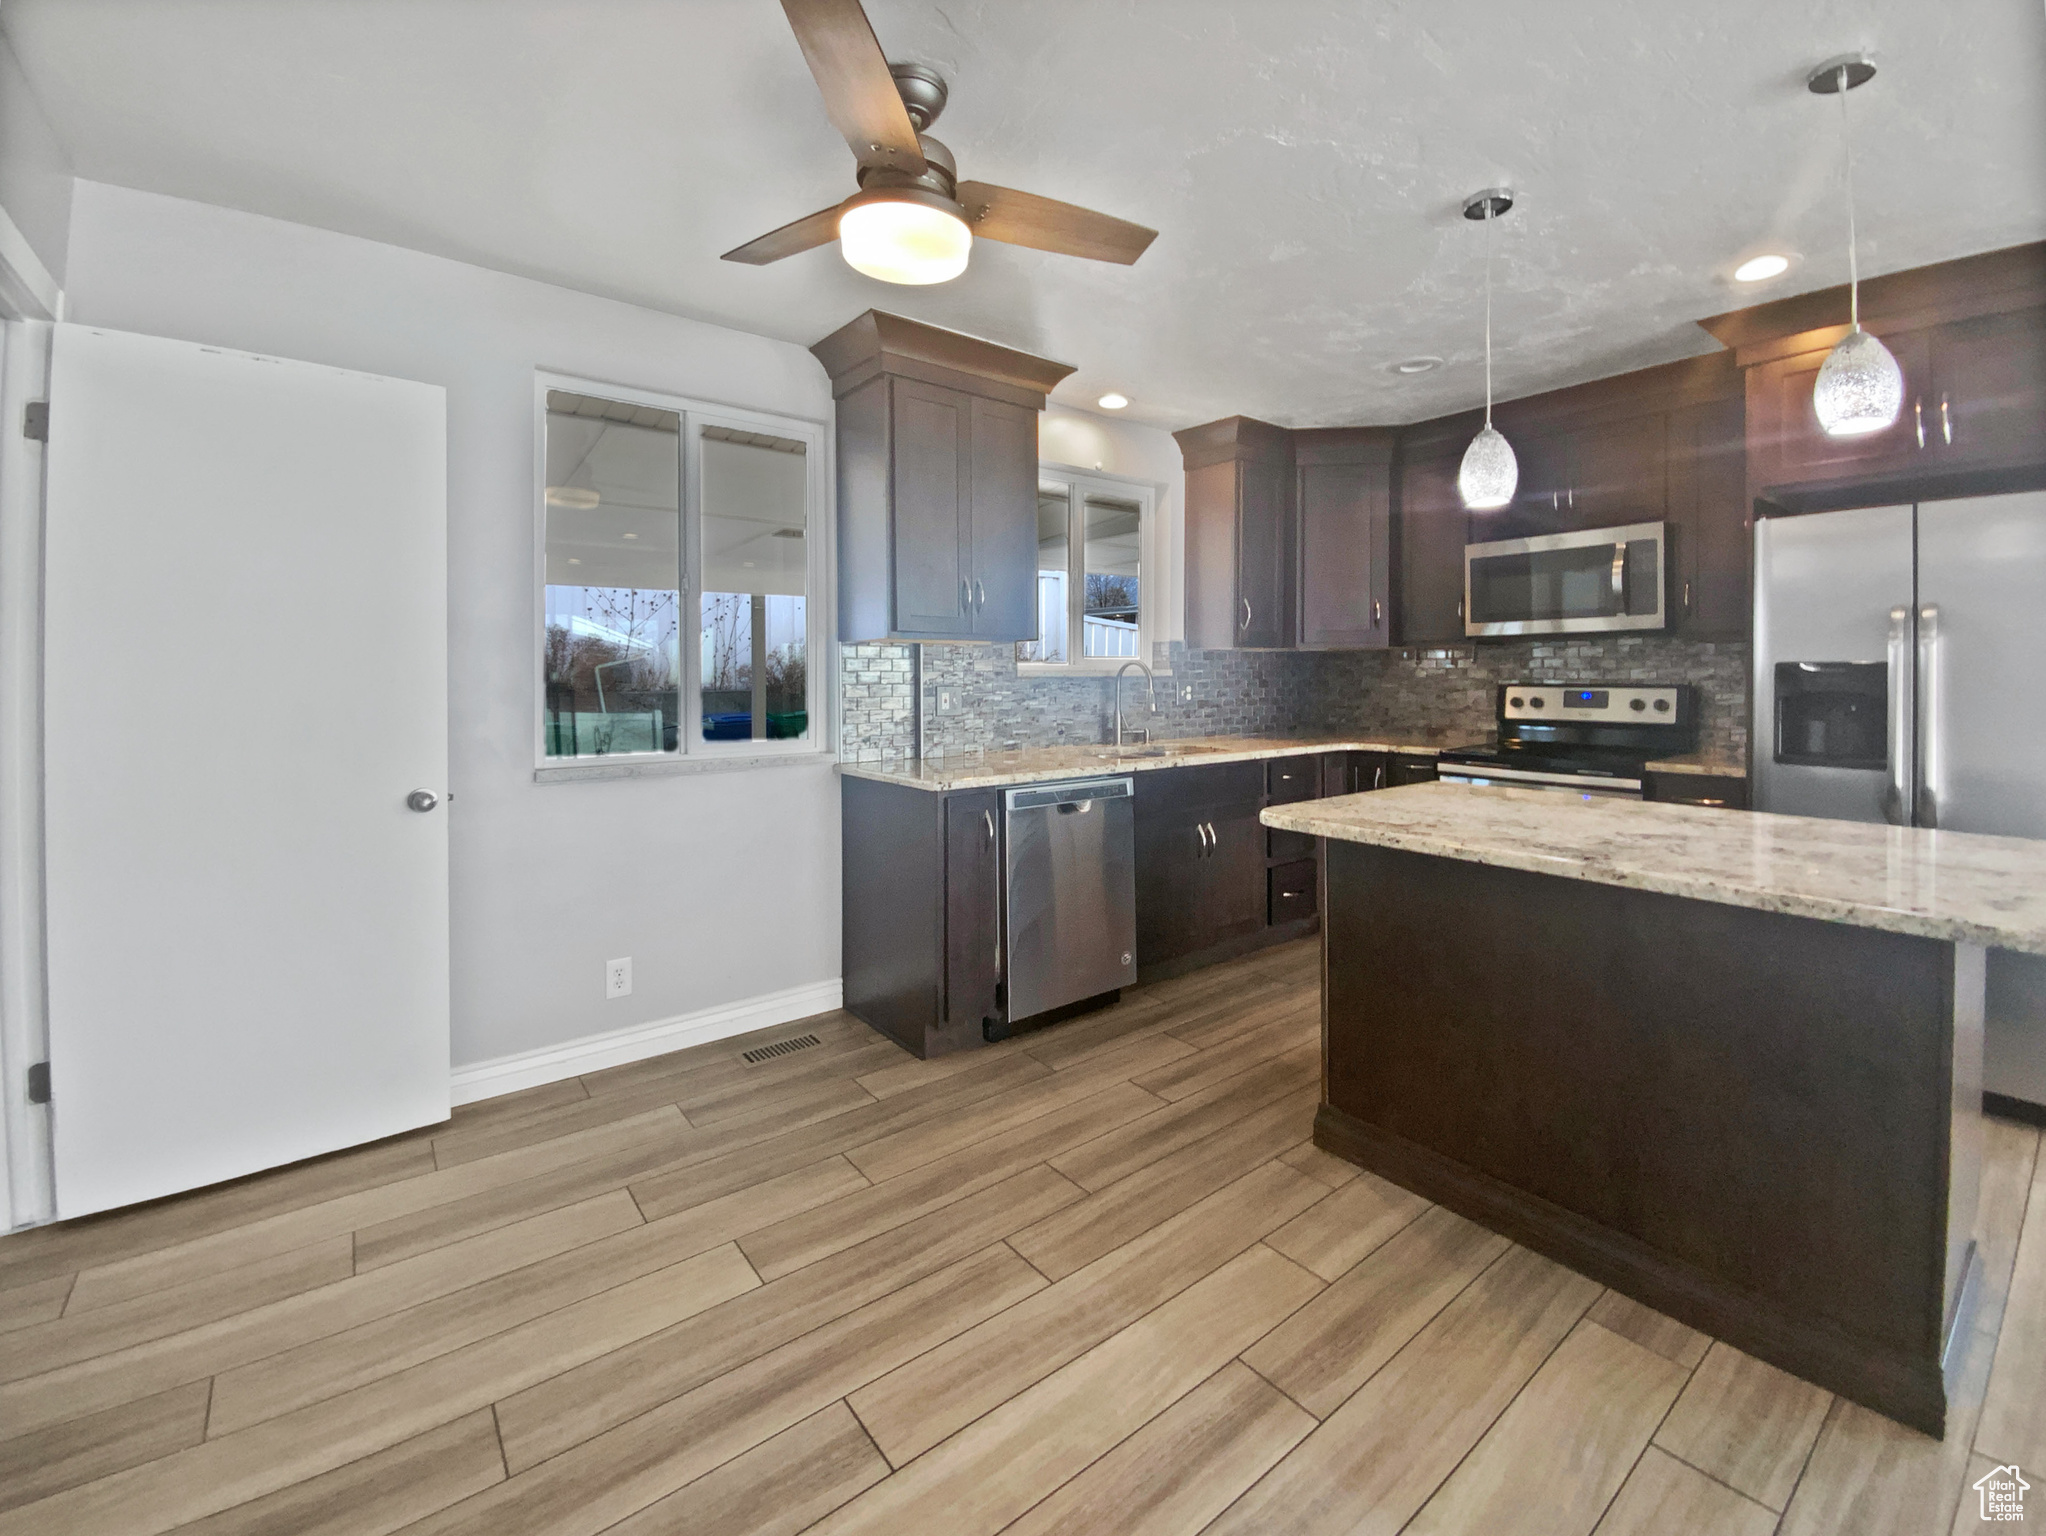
(593, 1053)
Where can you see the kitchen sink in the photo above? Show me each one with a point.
(1174, 750)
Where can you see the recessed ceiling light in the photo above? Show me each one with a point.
(1759, 269)
(1113, 402)
(573, 561)
(1417, 365)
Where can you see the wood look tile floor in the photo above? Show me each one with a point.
(1095, 1280)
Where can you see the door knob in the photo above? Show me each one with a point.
(422, 799)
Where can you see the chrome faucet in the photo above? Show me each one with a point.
(1148, 678)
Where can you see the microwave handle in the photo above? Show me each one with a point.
(1620, 572)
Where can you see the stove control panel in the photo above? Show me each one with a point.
(1597, 706)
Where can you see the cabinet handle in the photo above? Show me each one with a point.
(1376, 613)
(966, 594)
(1687, 597)
(1946, 421)
(1570, 497)
(979, 593)
(1246, 613)
(990, 818)
(1459, 608)
(1214, 842)
(1918, 416)
(1378, 777)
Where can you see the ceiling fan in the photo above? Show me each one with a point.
(913, 220)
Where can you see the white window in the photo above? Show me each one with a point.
(678, 569)
(1095, 538)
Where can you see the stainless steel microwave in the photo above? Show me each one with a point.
(1567, 583)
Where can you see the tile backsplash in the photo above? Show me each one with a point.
(1256, 692)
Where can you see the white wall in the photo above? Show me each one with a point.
(35, 173)
(721, 886)
(1121, 447)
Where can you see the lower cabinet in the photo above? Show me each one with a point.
(921, 926)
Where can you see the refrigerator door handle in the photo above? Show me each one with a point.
(1927, 798)
(1897, 793)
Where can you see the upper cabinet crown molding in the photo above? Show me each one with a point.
(1995, 282)
(877, 343)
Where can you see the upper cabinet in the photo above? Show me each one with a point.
(1240, 535)
(1342, 486)
(1970, 337)
(1429, 523)
(937, 481)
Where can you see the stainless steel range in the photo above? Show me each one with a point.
(1586, 739)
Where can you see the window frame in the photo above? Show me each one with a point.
(693, 754)
(1151, 558)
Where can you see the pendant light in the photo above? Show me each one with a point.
(1860, 387)
(1490, 473)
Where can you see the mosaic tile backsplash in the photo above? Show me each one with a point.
(1256, 692)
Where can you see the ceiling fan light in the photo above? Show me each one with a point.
(899, 241)
(1860, 388)
(1490, 473)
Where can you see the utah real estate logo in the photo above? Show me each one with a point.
(2003, 1494)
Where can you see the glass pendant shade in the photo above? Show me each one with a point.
(1490, 473)
(1860, 387)
(904, 242)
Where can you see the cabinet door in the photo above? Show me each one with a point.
(1709, 521)
(1990, 378)
(1004, 538)
(1617, 474)
(1345, 539)
(973, 873)
(1539, 495)
(1213, 615)
(1171, 850)
(933, 500)
(1787, 446)
(1410, 770)
(1231, 879)
(1264, 618)
(1432, 521)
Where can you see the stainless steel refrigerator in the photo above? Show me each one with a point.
(1898, 677)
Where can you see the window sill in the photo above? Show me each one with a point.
(674, 767)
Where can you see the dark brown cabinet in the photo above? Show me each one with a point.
(921, 902)
(1240, 532)
(1429, 536)
(1787, 446)
(1201, 861)
(1709, 519)
(937, 481)
(1343, 490)
(973, 909)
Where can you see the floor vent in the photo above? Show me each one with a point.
(762, 1053)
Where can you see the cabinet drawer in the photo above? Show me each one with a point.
(1292, 892)
(1699, 789)
(1411, 770)
(1211, 784)
(1292, 778)
(1288, 845)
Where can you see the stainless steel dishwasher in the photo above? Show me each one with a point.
(1070, 894)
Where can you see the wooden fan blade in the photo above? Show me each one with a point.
(1045, 224)
(852, 75)
(806, 234)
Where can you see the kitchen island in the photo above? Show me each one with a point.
(1727, 1064)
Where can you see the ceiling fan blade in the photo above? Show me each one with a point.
(1045, 224)
(852, 74)
(806, 234)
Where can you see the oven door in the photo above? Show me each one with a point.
(1563, 583)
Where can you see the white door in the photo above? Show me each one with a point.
(245, 676)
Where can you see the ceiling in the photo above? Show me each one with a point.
(1303, 162)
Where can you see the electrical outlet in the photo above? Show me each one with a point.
(1186, 694)
(948, 701)
(618, 978)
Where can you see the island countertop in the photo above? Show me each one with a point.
(1035, 765)
(1958, 886)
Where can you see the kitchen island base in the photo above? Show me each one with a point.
(1766, 1126)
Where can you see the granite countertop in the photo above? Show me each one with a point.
(1958, 886)
(1716, 764)
(1032, 765)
